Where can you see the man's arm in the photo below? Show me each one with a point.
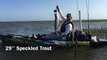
(60, 13)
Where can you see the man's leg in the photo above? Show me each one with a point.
(51, 36)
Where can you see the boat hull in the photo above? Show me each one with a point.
(25, 41)
(34, 42)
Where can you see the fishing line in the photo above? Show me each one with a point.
(79, 15)
(77, 5)
(87, 7)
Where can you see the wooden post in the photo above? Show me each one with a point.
(80, 21)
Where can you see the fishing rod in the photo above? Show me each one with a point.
(80, 23)
(79, 16)
(56, 22)
(87, 6)
(79, 13)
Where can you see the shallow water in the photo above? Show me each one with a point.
(27, 28)
(34, 27)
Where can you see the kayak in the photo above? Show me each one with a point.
(16, 40)
(25, 41)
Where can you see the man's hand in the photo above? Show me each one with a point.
(60, 13)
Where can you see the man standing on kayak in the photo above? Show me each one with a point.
(65, 29)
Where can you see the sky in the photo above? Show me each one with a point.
(32, 10)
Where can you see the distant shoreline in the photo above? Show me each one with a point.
(91, 20)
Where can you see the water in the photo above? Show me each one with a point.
(28, 28)
(25, 28)
(83, 53)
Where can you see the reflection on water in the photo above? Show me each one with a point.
(83, 53)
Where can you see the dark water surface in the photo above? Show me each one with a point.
(27, 28)
(83, 53)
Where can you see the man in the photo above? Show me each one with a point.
(67, 25)
(65, 29)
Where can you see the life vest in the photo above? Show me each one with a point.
(64, 24)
